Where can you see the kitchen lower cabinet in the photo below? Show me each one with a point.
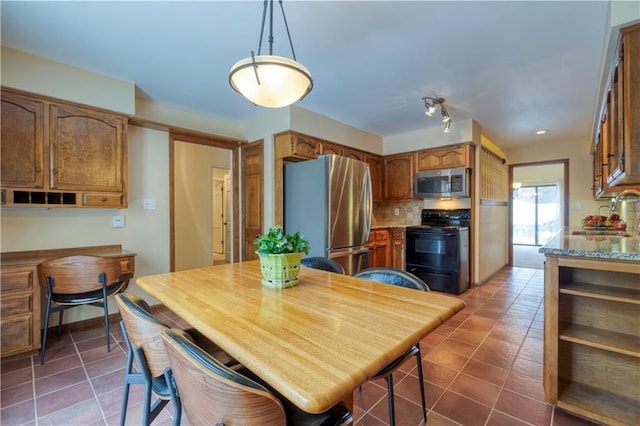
(592, 338)
(397, 248)
(21, 299)
(20, 310)
(379, 248)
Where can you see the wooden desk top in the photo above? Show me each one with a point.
(314, 343)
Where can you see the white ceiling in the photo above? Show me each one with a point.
(512, 66)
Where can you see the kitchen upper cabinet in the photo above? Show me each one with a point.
(619, 125)
(354, 154)
(375, 170)
(398, 176)
(444, 158)
(379, 248)
(86, 150)
(56, 154)
(295, 146)
(22, 142)
(331, 148)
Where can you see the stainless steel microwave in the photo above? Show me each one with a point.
(444, 183)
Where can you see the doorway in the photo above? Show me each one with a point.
(220, 217)
(192, 159)
(538, 209)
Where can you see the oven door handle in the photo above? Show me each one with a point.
(421, 233)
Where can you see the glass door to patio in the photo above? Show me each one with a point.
(536, 214)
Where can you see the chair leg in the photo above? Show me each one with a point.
(60, 322)
(106, 324)
(44, 330)
(175, 398)
(424, 402)
(127, 373)
(392, 413)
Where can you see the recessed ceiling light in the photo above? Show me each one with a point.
(541, 132)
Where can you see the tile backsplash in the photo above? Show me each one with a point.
(384, 214)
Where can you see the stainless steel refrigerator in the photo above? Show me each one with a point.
(329, 201)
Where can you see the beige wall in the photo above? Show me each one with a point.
(430, 137)
(146, 232)
(193, 202)
(30, 73)
(581, 202)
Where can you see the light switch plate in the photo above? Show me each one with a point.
(149, 204)
(117, 221)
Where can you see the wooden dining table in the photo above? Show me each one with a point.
(314, 343)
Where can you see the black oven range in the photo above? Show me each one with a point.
(438, 250)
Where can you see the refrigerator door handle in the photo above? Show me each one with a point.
(368, 202)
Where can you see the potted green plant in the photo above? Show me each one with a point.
(280, 256)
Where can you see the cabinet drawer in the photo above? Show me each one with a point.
(102, 200)
(382, 235)
(397, 234)
(15, 305)
(127, 265)
(16, 335)
(16, 279)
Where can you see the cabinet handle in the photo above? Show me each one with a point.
(38, 169)
(54, 171)
(103, 199)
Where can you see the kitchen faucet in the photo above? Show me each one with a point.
(621, 196)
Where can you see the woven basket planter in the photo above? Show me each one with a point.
(280, 270)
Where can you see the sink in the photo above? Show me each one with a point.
(610, 233)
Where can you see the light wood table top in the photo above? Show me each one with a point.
(314, 343)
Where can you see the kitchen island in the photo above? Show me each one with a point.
(592, 325)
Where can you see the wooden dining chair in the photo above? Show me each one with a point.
(71, 281)
(142, 333)
(214, 394)
(322, 263)
(400, 278)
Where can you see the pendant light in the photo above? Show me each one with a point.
(268, 80)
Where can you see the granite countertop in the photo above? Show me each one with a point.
(591, 244)
(388, 225)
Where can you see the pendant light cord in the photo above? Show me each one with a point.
(286, 25)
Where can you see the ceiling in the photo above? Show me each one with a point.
(513, 66)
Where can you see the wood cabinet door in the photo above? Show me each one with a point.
(397, 249)
(329, 148)
(442, 158)
(22, 142)
(19, 310)
(398, 177)
(353, 153)
(375, 169)
(253, 193)
(86, 149)
(303, 147)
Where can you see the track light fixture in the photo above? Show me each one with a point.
(431, 105)
(269, 80)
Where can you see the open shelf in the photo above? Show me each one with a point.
(598, 404)
(602, 339)
(615, 294)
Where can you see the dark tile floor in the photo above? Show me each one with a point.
(483, 367)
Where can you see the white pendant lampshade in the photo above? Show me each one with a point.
(270, 81)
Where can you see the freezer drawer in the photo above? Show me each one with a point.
(352, 259)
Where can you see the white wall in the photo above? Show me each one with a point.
(461, 132)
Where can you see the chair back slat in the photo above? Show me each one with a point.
(211, 393)
(144, 330)
(78, 274)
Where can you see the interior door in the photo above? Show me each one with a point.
(218, 216)
(253, 193)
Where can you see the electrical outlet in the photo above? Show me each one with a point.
(396, 211)
(117, 221)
